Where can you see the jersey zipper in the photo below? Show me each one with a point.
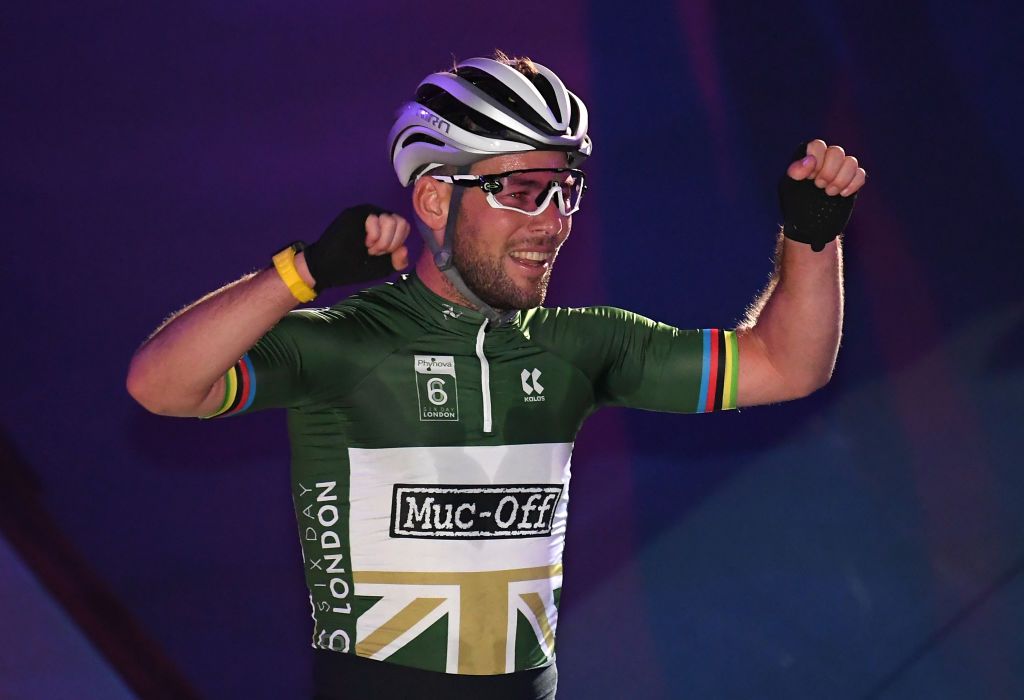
(485, 376)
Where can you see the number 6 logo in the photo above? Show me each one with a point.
(436, 393)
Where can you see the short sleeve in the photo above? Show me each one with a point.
(273, 373)
(662, 368)
(635, 362)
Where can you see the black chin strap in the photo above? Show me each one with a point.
(445, 260)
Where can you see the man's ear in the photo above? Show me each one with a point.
(430, 202)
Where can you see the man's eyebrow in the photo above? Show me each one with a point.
(539, 178)
(544, 177)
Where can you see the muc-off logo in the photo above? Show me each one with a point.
(436, 387)
(463, 512)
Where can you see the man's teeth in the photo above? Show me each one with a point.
(537, 257)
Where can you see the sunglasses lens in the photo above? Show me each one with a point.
(530, 191)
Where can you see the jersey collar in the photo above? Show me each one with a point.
(448, 313)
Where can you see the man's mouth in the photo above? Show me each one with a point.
(532, 258)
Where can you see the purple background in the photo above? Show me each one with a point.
(865, 542)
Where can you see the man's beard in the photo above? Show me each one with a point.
(487, 277)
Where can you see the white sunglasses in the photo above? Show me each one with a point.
(527, 191)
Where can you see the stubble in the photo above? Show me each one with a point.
(487, 277)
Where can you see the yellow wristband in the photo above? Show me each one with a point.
(284, 263)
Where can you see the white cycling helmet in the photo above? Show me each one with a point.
(484, 108)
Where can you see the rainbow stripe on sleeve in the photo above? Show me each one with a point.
(239, 388)
(719, 372)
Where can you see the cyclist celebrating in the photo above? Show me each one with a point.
(432, 419)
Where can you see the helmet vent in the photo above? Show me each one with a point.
(574, 114)
(463, 116)
(423, 138)
(507, 97)
(543, 85)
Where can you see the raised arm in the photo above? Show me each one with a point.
(789, 341)
(179, 370)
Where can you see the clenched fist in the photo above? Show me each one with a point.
(817, 193)
(830, 168)
(364, 243)
(386, 233)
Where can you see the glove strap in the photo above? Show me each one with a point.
(284, 263)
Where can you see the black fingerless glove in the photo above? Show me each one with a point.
(340, 256)
(809, 215)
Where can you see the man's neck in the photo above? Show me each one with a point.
(439, 284)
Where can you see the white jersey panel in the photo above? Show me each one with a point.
(458, 509)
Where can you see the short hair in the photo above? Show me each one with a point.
(523, 64)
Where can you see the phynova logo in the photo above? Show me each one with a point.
(463, 512)
(531, 387)
(436, 387)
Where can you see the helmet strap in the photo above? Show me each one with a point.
(445, 259)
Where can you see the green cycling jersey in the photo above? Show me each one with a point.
(431, 459)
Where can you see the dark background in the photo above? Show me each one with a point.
(865, 542)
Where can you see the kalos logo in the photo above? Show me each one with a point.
(532, 388)
(464, 512)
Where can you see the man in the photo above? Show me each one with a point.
(432, 419)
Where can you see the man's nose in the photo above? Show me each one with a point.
(551, 221)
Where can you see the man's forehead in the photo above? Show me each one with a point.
(520, 161)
